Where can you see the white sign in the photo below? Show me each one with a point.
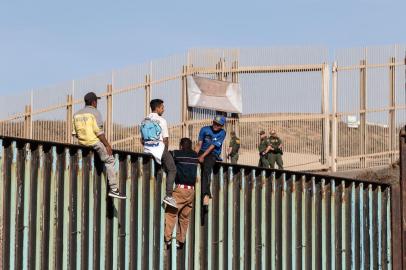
(214, 94)
(352, 121)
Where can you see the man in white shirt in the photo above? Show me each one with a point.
(157, 145)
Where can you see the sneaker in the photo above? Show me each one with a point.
(170, 201)
(168, 244)
(179, 245)
(115, 193)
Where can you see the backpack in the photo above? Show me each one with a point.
(150, 130)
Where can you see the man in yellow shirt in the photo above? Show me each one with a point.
(88, 128)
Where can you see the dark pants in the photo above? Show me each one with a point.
(276, 158)
(207, 167)
(234, 158)
(263, 161)
(169, 166)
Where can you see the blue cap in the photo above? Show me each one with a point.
(220, 120)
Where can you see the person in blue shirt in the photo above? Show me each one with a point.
(209, 146)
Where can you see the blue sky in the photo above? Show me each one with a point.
(46, 42)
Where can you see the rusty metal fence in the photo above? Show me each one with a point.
(55, 214)
(338, 116)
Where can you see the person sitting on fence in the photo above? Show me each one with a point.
(263, 148)
(211, 140)
(276, 152)
(88, 128)
(155, 138)
(184, 193)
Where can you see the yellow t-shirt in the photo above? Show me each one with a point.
(87, 125)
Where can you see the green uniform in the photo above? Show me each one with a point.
(235, 147)
(263, 159)
(275, 154)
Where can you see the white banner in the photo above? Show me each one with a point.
(214, 94)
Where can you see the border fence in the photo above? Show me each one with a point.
(338, 116)
(55, 214)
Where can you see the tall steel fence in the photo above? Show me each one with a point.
(337, 116)
(55, 214)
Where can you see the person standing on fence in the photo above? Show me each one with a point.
(155, 138)
(209, 146)
(233, 148)
(263, 148)
(276, 151)
(184, 193)
(88, 128)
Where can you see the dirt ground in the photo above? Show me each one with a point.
(389, 173)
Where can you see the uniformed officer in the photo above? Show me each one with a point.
(263, 148)
(276, 152)
(233, 148)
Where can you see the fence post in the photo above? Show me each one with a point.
(109, 117)
(234, 79)
(398, 209)
(147, 93)
(334, 137)
(392, 110)
(363, 107)
(69, 118)
(326, 115)
(28, 122)
(185, 111)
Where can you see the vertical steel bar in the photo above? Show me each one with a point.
(103, 235)
(13, 206)
(210, 217)
(173, 247)
(343, 227)
(36, 166)
(323, 226)
(303, 223)
(284, 257)
(5, 159)
(151, 215)
(27, 205)
(242, 220)
(388, 230)
(293, 205)
(352, 215)
(253, 221)
(96, 208)
(197, 220)
(264, 245)
(230, 219)
(89, 162)
(76, 166)
(140, 181)
(19, 204)
(162, 223)
(129, 207)
(370, 228)
(379, 227)
(273, 221)
(221, 218)
(361, 226)
(333, 225)
(39, 213)
(65, 211)
(45, 221)
(313, 223)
